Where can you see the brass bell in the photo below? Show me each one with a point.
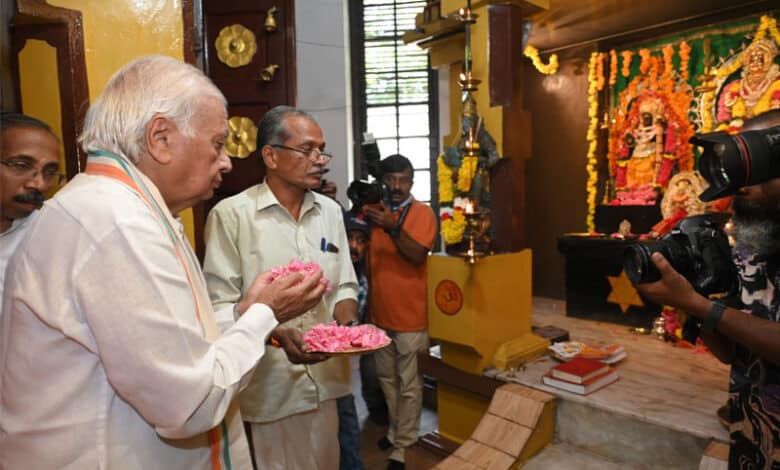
(267, 74)
(270, 19)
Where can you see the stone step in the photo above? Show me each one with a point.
(564, 456)
(632, 442)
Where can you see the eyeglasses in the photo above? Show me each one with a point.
(25, 169)
(311, 154)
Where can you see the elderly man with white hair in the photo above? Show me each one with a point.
(110, 352)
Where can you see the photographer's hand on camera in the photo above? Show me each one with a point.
(380, 215)
(726, 325)
(673, 289)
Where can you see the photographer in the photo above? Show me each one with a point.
(401, 236)
(749, 340)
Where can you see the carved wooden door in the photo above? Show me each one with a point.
(250, 55)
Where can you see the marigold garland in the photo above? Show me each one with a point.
(685, 58)
(612, 67)
(548, 69)
(600, 71)
(626, 70)
(444, 176)
(452, 226)
(454, 181)
(666, 73)
(466, 173)
(654, 72)
(644, 64)
(593, 107)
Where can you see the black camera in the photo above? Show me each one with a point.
(729, 162)
(697, 248)
(361, 192)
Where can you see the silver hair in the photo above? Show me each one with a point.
(272, 128)
(150, 85)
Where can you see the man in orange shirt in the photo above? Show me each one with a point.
(401, 237)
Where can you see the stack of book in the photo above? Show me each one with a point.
(580, 375)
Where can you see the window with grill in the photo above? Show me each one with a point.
(394, 88)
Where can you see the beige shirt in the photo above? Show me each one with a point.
(103, 362)
(250, 233)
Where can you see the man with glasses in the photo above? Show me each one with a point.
(30, 168)
(290, 404)
(401, 237)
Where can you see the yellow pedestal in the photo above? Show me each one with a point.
(476, 310)
(459, 411)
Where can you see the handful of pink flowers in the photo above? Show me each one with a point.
(298, 266)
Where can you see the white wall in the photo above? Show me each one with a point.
(322, 48)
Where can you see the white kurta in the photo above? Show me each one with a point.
(103, 363)
(9, 240)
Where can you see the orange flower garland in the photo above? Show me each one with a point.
(685, 58)
(612, 67)
(600, 72)
(626, 70)
(666, 74)
(654, 72)
(644, 65)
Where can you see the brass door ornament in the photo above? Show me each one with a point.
(242, 140)
(267, 74)
(236, 45)
(270, 19)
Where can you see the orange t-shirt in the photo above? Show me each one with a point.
(398, 289)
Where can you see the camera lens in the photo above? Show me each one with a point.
(638, 265)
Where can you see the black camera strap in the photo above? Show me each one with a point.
(403, 215)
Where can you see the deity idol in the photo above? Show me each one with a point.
(645, 158)
(756, 92)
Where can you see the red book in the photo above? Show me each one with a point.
(584, 388)
(579, 370)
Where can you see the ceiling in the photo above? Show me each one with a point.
(572, 23)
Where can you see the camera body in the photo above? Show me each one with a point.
(361, 192)
(697, 248)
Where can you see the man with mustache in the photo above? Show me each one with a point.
(290, 404)
(112, 356)
(401, 237)
(29, 154)
(748, 339)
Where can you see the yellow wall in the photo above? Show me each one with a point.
(115, 32)
(40, 89)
